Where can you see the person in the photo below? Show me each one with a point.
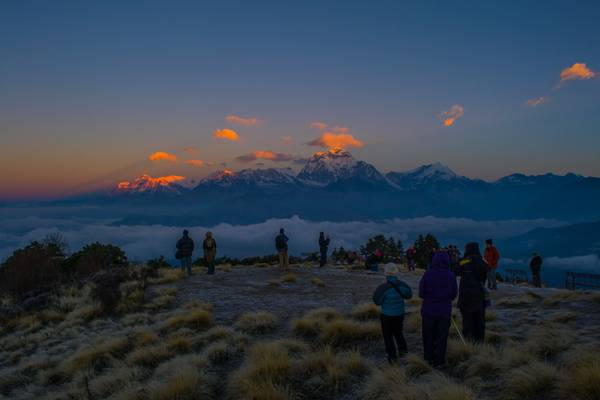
(410, 258)
(373, 260)
(491, 256)
(536, 266)
(471, 293)
(185, 249)
(281, 244)
(438, 289)
(210, 252)
(454, 257)
(323, 245)
(390, 297)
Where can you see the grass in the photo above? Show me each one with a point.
(365, 311)
(582, 382)
(148, 357)
(345, 332)
(197, 319)
(289, 278)
(257, 323)
(535, 381)
(317, 282)
(311, 323)
(185, 383)
(167, 275)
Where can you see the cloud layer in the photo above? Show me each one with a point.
(236, 119)
(162, 156)
(226, 134)
(576, 71)
(264, 155)
(449, 117)
(537, 101)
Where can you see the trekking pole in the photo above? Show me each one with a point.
(458, 330)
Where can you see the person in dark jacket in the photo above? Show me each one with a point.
(210, 252)
(281, 244)
(536, 267)
(185, 249)
(471, 294)
(323, 246)
(410, 258)
(390, 296)
(438, 289)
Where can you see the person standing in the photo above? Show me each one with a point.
(185, 249)
(471, 293)
(323, 246)
(210, 252)
(410, 258)
(390, 296)
(281, 244)
(438, 289)
(536, 267)
(491, 256)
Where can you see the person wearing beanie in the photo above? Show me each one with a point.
(390, 297)
(438, 289)
(471, 293)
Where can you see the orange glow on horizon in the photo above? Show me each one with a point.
(146, 182)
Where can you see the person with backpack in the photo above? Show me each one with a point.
(410, 258)
(185, 249)
(491, 257)
(210, 252)
(281, 244)
(390, 297)
(536, 267)
(472, 293)
(323, 246)
(438, 289)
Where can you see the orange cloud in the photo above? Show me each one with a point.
(195, 163)
(340, 140)
(227, 134)
(236, 119)
(450, 117)
(287, 139)
(162, 156)
(537, 101)
(319, 125)
(576, 71)
(191, 150)
(264, 155)
(146, 182)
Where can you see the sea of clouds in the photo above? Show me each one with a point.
(142, 242)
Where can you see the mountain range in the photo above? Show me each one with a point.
(333, 185)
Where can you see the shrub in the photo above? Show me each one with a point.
(365, 311)
(94, 258)
(106, 287)
(257, 323)
(33, 267)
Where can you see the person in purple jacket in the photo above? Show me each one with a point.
(438, 289)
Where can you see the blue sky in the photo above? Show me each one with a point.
(89, 88)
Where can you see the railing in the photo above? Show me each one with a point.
(517, 276)
(580, 280)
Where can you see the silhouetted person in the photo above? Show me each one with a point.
(471, 294)
(281, 244)
(210, 252)
(536, 268)
(185, 249)
(410, 258)
(437, 289)
(491, 257)
(390, 296)
(323, 246)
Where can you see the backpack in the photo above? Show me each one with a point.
(209, 244)
(280, 242)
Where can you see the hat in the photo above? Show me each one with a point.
(390, 269)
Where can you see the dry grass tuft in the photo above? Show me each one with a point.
(311, 323)
(289, 278)
(185, 383)
(564, 317)
(167, 275)
(197, 319)
(344, 332)
(416, 365)
(260, 322)
(547, 342)
(114, 379)
(226, 267)
(149, 356)
(581, 382)
(535, 381)
(274, 282)
(389, 383)
(317, 282)
(365, 311)
(413, 322)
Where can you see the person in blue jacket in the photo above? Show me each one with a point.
(390, 296)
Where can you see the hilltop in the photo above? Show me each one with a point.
(255, 333)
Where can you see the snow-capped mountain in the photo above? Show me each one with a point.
(264, 178)
(431, 176)
(146, 184)
(335, 165)
(516, 180)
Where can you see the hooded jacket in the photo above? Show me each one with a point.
(491, 256)
(438, 288)
(185, 246)
(473, 273)
(392, 302)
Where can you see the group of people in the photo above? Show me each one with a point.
(185, 249)
(438, 289)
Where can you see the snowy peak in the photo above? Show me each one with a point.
(430, 176)
(171, 184)
(327, 167)
(436, 171)
(251, 177)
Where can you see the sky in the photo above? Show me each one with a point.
(94, 93)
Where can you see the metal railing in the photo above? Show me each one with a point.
(517, 276)
(581, 280)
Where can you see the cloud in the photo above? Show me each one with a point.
(341, 140)
(449, 117)
(162, 156)
(577, 71)
(226, 134)
(191, 150)
(195, 163)
(537, 101)
(321, 126)
(236, 119)
(287, 139)
(264, 155)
